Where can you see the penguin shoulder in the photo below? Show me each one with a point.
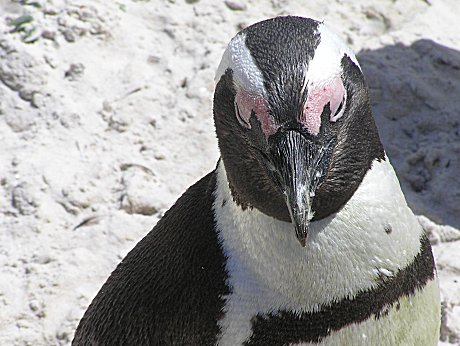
(169, 285)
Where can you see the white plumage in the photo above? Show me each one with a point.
(269, 271)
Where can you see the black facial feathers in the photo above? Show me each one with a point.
(357, 146)
(281, 48)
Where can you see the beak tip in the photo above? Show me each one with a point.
(303, 242)
(302, 236)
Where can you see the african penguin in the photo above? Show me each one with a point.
(300, 236)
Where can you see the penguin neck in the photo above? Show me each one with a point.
(346, 253)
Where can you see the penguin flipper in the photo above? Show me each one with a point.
(168, 289)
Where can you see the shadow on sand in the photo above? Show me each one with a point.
(415, 94)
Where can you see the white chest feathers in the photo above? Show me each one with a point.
(375, 234)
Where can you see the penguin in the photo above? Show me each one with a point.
(300, 236)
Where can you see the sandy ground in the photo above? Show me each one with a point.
(105, 119)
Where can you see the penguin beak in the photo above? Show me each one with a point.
(300, 165)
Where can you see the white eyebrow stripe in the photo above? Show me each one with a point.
(327, 61)
(246, 74)
(324, 66)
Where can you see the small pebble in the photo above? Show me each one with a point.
(75, 71)
(236, 6)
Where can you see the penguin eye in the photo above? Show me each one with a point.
(340, 109)
(243, 122)
(332, 93)
(248, 105)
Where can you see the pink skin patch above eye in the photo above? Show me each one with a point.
(247, 103)
(319, 96)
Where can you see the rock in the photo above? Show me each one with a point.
(116, 120)
(438, 233)
(22, 199)
(236, 6)
(138, 195)
(75, 71)
(20, 121)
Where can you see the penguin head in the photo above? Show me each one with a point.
(293, 121)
